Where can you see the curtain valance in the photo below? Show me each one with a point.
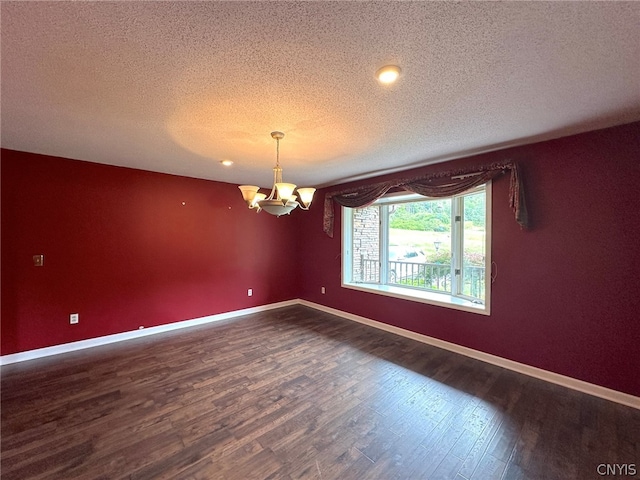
(440, 184)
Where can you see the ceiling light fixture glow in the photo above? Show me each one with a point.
(226, 163)
(282, 200)
(388, 74)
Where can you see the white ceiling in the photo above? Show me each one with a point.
(178, 86)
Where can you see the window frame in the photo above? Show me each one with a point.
(456, 300)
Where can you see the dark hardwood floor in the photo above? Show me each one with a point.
(297, 393)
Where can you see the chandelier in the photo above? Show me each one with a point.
(282, 200)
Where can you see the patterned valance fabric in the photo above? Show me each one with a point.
(440, 184)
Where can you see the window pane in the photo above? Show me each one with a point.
(366, 245)
(474, 240)
(419, 250)
(432, 251)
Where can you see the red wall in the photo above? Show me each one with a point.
(566, 293)
(122, 250)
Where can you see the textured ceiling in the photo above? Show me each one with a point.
(178, 86)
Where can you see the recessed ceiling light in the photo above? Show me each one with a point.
(226, 163)
(388, 74)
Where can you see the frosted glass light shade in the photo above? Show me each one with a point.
(285, 190)
(258, 197)
(248, 192)
(306, 196)
(275, 207)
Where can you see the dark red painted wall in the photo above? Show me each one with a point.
(123, 251)
(566, 294)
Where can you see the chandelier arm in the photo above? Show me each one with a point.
(274, 190)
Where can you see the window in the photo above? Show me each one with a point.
(431, 250)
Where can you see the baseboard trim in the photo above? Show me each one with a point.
(558, 379)
(119, 337)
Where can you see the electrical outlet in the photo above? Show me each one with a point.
(322, 290)
(38, 260)
(249, 292)
(74, 318)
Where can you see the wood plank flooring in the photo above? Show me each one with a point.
(297, 393)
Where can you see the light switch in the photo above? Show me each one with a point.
(38, 260)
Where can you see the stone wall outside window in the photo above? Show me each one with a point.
(366, 244)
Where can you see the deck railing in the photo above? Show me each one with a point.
(428, 276)
(431, 276)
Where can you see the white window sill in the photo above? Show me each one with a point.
(422, 296)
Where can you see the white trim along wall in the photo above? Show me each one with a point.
(119, 337)
(572, 383)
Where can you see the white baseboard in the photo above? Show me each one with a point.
(572, 383)
(119, 337)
